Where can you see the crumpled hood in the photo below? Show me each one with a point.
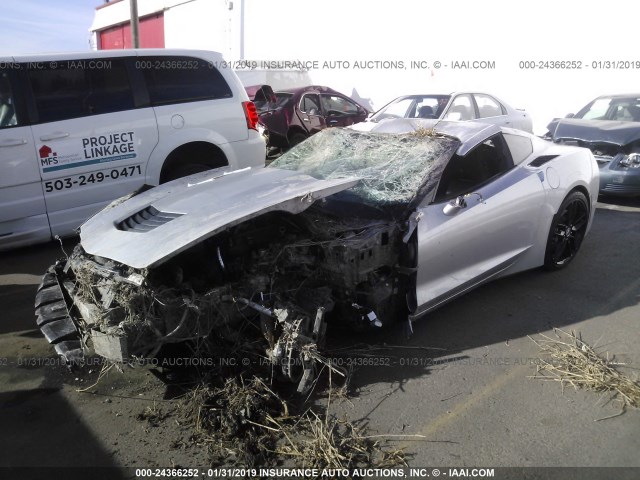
(156, 225)
(595, 131)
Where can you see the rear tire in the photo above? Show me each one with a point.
(567, 231)
(297, 138)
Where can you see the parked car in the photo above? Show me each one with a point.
(80, 129)
(296, 114)
(358, 228)
(458, 106)
(610, 127)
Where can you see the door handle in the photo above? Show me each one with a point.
(306, 119)
(54, 136)
(13, 142)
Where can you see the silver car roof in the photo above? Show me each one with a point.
(469, 133)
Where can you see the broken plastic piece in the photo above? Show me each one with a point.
(373, 319)
(414, 219)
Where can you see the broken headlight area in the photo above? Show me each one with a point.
(631, 161)
(266, 288)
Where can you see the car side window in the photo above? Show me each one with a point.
(398, 109)
(628, 111)
(488, 106)
(597, 110)
(461, 109)
(8, 116)
(77, 88)
(484, 163)
(310, 104)
(426, 108)
(519, 146)
(335, 105)
(174, 79)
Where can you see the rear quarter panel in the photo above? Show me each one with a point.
(576, 168)
(573, 168)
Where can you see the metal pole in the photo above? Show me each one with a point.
(135, 37)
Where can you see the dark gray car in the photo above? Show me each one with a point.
(610, 127)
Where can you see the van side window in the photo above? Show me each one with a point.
(7, 106)
(182, 79)
(77, 88)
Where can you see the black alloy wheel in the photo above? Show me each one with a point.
(567, 231)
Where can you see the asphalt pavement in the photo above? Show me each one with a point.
(459, 392)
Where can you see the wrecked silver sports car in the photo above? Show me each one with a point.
(360, 228)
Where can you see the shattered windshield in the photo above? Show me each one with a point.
(392, 167)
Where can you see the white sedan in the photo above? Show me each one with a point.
(456, 106)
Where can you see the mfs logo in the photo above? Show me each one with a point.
(47, 156)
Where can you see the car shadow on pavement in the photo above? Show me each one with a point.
(633, 202)
(43, 432)
(21, 271)
(601, 280)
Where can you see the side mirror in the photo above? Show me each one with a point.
(454, 206)
(569, 115)
(460, 202)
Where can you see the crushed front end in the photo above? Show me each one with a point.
(269, 284)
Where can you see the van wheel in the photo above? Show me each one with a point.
(185, 170)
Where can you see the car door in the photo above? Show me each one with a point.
(461, 108)
(23, 216)
(93, 135)
(493, 224)
(309, 112)
(491, 110)
(339, 111)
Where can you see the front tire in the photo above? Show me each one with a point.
(567, 231)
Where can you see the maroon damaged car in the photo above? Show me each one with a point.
(291, 116)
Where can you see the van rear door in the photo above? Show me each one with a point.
(23, 217)
(94, 132)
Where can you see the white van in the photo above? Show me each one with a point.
(79, 130)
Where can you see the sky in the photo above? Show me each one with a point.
(39, 26)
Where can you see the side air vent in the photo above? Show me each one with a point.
(146, 219)
(538, 162)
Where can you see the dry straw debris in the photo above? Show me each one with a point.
(571, 361)
(246, 422)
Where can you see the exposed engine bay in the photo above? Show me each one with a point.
(276, 279)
